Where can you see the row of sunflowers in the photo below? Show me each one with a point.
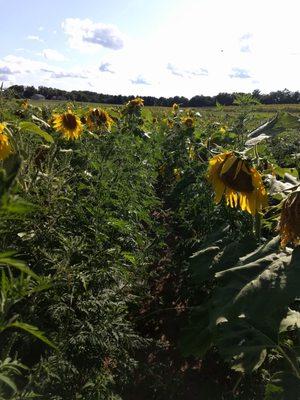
(227, 193)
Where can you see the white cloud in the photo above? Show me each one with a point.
(63, 74)
(239, 73)
(185, 73)
(140, 81)
(86, 35)
(34, 38)
(106, 67)
(6, 70)
(53, 55)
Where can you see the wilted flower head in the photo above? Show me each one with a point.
(188, 122)
(289, 224)
(137, 102)
(25, 104)
(175, 108)
(98, 118)
(177, 174)
(68, 124)
(240, 184)
(133, 107)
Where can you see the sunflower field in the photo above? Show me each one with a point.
(149, 254)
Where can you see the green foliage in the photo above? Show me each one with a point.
(86, 218)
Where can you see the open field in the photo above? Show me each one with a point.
(262, 108)
(149, 253)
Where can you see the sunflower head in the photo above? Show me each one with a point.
(68, 124)
(175, 108)
(289, 224)
(177, 174)
(188, 122)
(137, 102)
(170, 123)
(241, 185)
(98, 118)
(5, 147)
(25, 104)
(134, 106)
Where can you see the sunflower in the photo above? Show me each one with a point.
(289, 224)
(240, 184)
(188, 122)
(175, 108)
(133, 106)
(177, 174)
(25, 104)
(98, 118)
(5, 147)
(137, 102)
(68, 124)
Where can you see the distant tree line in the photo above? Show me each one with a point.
(26, 92)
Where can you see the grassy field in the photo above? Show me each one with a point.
(261, 108)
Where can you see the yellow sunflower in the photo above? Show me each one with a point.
(5, 147)
(98, 118)
(68, 124)
(289, 224)
(240, 184)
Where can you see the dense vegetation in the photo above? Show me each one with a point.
(149, 256)
(26, 92)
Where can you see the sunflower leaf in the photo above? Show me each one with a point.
(33, 128)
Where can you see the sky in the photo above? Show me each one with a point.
(151, 47)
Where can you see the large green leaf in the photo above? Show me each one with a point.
(283, 386)
(278, 124)
(5, 379)
(242, 345)
(32, 330)
(7, 259)
(33, 128)
(239, 317)
(197, 336)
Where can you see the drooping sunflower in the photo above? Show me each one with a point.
(68, 124)
(97, 119)
(5, 147)
(137, 102)
(241, 184)
(25, 104)
(289, 224)
(133, 107)
(175, 108)
(188, 122)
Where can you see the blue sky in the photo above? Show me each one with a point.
(160, 48)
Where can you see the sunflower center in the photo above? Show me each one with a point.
(238, 180)
(69, 121)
